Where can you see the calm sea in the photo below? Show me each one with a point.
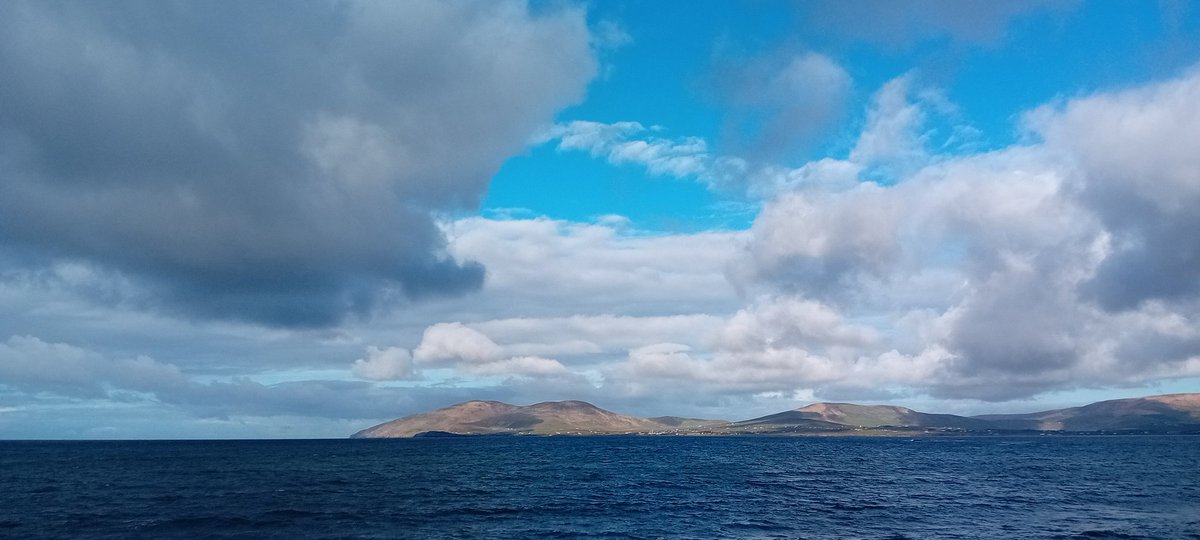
(606, 487)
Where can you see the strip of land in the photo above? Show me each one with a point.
(1164, 414)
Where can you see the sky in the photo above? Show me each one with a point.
(256, 219)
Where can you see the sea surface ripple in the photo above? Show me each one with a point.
(606, 487)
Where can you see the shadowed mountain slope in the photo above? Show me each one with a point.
(1170, 412)
(494, 417)
(870, 416)
(686, 423)
(849, 416)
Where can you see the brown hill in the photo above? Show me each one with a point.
(494, 417)
(848, 416)
(784, 422)
(1165, 413)
(1172, 413)
(686, 423)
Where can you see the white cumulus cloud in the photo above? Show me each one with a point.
(390, 363)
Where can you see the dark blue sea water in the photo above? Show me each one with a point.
(606, 487)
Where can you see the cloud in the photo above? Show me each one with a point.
(891, 135)
(822, 175)
(680, 158)
(899, 135)
(994, 231)
(1062, 262)
(819, 243)
(792, 322)
(531, 366)
(455, 342)
(610, 34)
(1000, 268)
(390, 363)
(776, 105)
(43, 370)
(630, 143)
(581, 335)
(601, 290)
(778, 343)
(522, 346)
(30, 364)
(896, 140)
(473, 352)
(780, 103)
(543, 267)
(1052, 264)
(285, 177)
(1138, 159)
(964, 275)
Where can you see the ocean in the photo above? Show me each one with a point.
(606, 487)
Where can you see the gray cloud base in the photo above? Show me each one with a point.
(273, 165)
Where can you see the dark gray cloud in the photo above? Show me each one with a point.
(278, 164)
(1157, 261)
(1138, 156)
(1022, 332)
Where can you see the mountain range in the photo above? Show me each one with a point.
(1171, 413)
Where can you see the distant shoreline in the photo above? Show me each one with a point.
(860, 434)
(852, 435)
(1168, 414)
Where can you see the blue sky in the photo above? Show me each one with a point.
(231, 220)
(665, 76)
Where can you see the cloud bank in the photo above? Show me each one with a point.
(281, 166)
(267, 179)
(1062, 262)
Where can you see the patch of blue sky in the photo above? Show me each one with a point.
(658, 79)
(668, 74)
(574, 186)
(1103, 45)
(652, 79)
